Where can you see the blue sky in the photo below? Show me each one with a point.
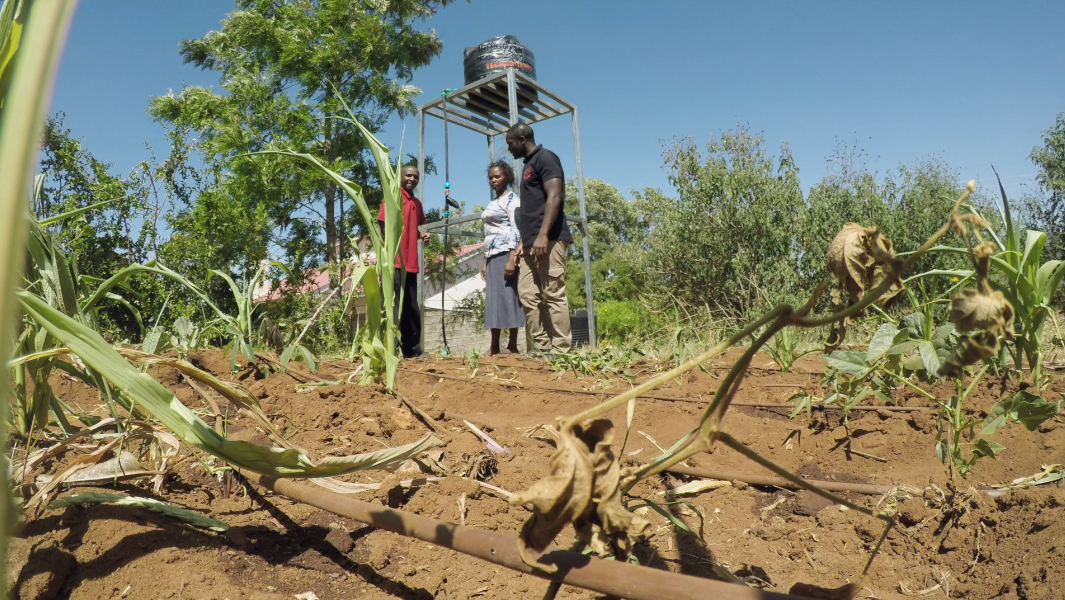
(973, 82)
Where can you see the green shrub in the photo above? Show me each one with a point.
(625, 321)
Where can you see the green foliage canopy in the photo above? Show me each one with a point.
(1050, 213)
(283, 64)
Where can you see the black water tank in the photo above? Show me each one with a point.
(497, 54)
(578, 323)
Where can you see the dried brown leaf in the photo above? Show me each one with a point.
(860, 258)
(582, 489)
(970, 349)
(983, 310)
(972, 309)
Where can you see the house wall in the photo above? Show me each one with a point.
(463, 336)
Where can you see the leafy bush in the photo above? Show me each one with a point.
(626, 321)
(730, 238)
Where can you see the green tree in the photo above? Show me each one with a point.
(104, 238)
(907, 204)
(1050, 210)
(617, 231)
(729, 241)
(283, 64)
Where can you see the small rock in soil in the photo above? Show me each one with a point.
(401, 417)
(809, 504)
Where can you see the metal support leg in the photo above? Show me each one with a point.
(421, 292)
(421, 249)
(421, 154)
(592, 334)
(512, 97)
(491, 159)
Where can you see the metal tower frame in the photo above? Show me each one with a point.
(491, 106)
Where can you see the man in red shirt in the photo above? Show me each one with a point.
(406, 280)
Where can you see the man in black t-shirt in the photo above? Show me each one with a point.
(544, 238)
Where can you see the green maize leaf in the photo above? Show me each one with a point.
(671, 517)
(157, 269)
(1026, 293)
(960, 274)
(152, 339)
(848, 361)
(352, 189)
(73, 213)
(12, 22)
(29, 54)
(1048, 278)
(1013, 244)
(1033, 251)
(233, 288)
(158, 506)
(881, 342)
(386, 249)
(389, 178)
(372, 292)
(151, 396)
(57, 279)
(131, 308)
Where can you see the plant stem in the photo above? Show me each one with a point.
(909, 383)
(651, 384)
(739, 446)
(315, 315)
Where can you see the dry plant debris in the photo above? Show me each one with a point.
(983, 310)
(857, 259)
(582, 488)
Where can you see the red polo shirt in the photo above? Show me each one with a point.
(413, 216)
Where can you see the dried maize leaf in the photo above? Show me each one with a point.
(163, 508)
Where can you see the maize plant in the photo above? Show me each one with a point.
(57, 310)
(1018, 273)
(380, 360)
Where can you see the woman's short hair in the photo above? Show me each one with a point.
(504, 166)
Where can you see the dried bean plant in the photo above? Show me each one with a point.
(586, 483)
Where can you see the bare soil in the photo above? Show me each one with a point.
(952, 540)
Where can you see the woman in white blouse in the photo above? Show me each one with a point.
(502, 245)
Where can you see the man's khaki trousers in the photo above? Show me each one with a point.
(542, 291)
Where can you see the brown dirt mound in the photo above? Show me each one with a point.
(950, 541)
